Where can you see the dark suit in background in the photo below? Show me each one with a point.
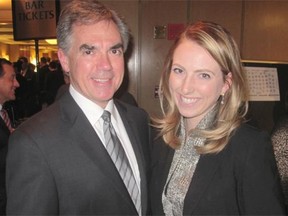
(279, 138)
(30, 98)
(4, 136)
(8, 85)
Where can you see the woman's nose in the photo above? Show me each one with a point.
(187, 85)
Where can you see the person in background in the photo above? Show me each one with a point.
(31, 67)
(57, 162)
(54, 80)
(207, 160)
(122, 93)
(279, 137)
(26, 71)
(48, 60)
(8, 84)
(127, 97)
(20, 93)
(43, 70)
(65, 87)
(31, 101)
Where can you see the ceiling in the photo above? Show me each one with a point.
(6, 28)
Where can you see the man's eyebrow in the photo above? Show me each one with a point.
(91, 47)
(117, 46)
(87, 47)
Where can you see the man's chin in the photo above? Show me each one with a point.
(12, 98)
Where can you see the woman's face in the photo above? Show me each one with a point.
(196, 81)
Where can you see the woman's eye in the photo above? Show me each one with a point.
(177, 70)
(205, 75)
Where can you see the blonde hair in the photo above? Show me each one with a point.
(222, 47)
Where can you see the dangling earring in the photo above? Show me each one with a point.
(222, 99)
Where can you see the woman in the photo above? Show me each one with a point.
(207, 161)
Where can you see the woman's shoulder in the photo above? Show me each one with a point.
(249, 137)
(159, 146)
(247, 131)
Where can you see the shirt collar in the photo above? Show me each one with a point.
(92, 111)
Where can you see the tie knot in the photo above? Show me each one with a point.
(106, 116)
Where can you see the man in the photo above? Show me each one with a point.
(54, 80)
(31, 105)
(27, 72)
(42, 73)
(8, 84)
(57, 162)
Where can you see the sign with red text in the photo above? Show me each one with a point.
(34, 19)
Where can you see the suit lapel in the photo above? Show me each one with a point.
(86, 139)
(4, 134)
(167, 164)
(133, 133)
(205, 170)
(135, 136)
(4, 126)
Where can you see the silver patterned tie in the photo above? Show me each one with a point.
(118, 156)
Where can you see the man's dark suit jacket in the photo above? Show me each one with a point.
(57, 164)
(4, 136)
(240, 180)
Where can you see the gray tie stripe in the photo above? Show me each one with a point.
(118, 156)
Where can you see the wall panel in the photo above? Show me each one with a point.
(128, 9)
(153, 51)
(265, 32)
(226, 13)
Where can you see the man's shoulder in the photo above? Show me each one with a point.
(42, 118)
(130, 109)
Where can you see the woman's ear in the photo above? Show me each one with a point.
(227, 83)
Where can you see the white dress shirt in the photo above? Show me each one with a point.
(94, 112)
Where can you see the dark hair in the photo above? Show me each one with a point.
(23, 59)
(43, 59)
(3, 61)
(53, 64)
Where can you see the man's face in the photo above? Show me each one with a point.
(24, 65)
(95, 61)
(8, 84)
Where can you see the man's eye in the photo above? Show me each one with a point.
(116, 51)
(88, 52)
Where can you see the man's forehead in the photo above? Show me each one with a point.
(7, 68)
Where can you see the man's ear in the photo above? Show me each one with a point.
(63, 58)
